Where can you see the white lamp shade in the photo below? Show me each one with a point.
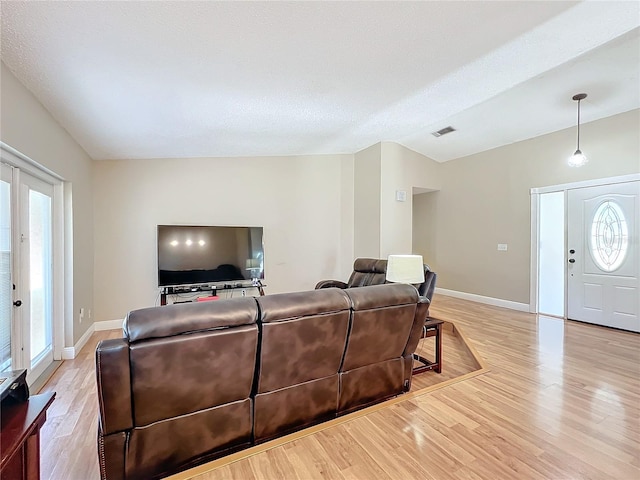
(405, 269)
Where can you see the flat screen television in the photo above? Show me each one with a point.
(200, 254)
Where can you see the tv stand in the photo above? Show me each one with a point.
(197, 290)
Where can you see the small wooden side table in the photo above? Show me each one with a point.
(20, 436)
(432, 328)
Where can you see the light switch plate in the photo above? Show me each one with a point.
(401, 196)
(502, 247)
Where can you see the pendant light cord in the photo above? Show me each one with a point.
(578, 146)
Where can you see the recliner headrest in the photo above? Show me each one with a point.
(370, 265)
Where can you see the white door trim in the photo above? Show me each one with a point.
(535, 261)
(535, 225)
(632, 177)
(14, 158)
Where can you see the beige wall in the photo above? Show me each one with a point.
(298, 200)
(401, 169)
(383, 225)
(485, 200)
(347, 218)
(366, 209)
(29, 128)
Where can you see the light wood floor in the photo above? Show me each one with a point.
(561, 400)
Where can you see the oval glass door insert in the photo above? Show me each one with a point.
(609, 236)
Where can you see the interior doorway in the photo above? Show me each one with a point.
(424, 225)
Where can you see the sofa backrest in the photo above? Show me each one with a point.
(175, 349)
(179, 319)
(304, 336)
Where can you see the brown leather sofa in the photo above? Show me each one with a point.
(192, 382)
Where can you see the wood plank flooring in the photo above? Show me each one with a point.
(561, 400)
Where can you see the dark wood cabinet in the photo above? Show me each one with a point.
(20, 436)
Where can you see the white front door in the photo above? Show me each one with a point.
(603, 273)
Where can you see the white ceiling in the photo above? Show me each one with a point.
(193, 79)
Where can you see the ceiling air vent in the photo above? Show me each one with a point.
(443, 131)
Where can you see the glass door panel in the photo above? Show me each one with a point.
(36, 264)
(6, 285)
(40, 263)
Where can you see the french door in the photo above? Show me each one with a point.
(26, 272)
(603, 241)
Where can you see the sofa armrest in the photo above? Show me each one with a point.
(422, 310)
(330, 284)
(113, 378)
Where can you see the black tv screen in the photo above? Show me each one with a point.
(197, 254)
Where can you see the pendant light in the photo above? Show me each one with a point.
(578, 159)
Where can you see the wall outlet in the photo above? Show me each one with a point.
(502, 247)
(81, 314)
(244, 292)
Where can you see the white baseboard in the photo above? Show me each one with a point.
(69, 353)
(108, 325)
(497, 302)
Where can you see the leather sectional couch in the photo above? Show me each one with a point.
(192, 382)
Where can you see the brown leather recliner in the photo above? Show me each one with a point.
(193, 382)
(366, 272)
(373, 271)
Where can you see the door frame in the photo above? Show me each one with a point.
(535, 227)
(60, 294)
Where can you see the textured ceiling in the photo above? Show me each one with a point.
(192, 79)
